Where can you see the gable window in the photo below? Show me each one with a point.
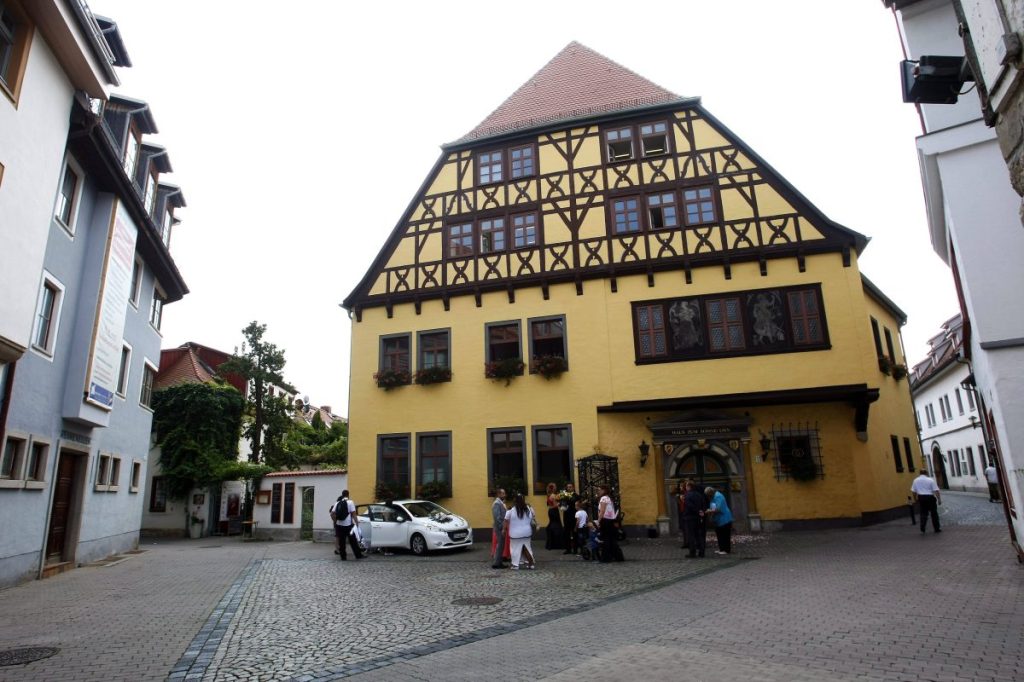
(507, 459)
(489, 167)
(15, 37)
(661, 211)
(133, 296)
(725, 324)
(394, 353)
(433, 349)
(158, 495)
(524, 230)
(626, 215)
(521, 162)
(435, 461)
(503, 341)
(67, 198)
(156, 309)
(552, 457)
(393, 464)
(460, 240)
(699, 206)
(123, 369)
(547, 337)
(804, 316)
(619, 144)
(48, 315)
(654, 138)
(650, 325)
(131, 152)
(148, 377)
(492, 235)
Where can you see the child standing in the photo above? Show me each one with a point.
(580, 528)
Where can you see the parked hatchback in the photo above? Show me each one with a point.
(418, 525)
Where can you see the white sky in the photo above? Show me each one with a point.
(300, 131)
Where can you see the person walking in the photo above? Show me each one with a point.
(607, 516)
(720, 517)
(927, 494)
(519, 524)
(693, 517)
(992, 476)
(498, 528)
(344, 515)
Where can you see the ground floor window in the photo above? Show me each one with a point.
(552, 446)
(392, 467)
(158, 495)
(507, 460)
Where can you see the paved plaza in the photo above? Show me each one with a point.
(878, 603)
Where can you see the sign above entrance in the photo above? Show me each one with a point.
(701, 431)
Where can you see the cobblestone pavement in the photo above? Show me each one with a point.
(878, 603)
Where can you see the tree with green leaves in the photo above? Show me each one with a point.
(316, 444)
(198, 427)
(261, 364)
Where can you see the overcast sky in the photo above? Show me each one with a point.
(300, 131)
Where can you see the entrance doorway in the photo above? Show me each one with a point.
(62, 513)
(306, 532)
(705, 468)
(939, 467)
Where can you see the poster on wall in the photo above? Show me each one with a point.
(115, 288)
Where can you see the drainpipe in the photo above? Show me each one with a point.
(753, 516)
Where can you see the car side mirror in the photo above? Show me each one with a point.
(400, 519)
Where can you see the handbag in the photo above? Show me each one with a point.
(533, 520)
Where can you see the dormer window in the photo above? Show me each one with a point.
(489, 167)
(131, 152)
(654, 138)
(165, 229)
(619, 143)
(521, 161)
(149, 199)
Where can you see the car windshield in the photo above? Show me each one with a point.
(427, 509)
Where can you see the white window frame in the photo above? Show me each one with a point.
(16, 479)
(147, 365)
(54, 322)
(136, 284)
(135, 481)
(156, 310)
(70, 226)
(41, 463)
(122, 386)
(102, 472)
(165, 228)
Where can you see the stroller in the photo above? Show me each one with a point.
(591, 547)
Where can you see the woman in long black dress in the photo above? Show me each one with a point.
(567, 505)
(554, 539)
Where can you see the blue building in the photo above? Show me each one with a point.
(75, 418)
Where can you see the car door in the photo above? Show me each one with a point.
(385, 528)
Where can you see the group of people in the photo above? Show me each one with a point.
(698, 510)
(569, 528)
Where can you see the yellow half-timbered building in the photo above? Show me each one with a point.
(601, 267)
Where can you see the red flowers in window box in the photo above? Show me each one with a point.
(392, 378)
(548, 366)
(433, 375)
(506, 369)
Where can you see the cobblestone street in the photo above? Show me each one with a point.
(883, 602)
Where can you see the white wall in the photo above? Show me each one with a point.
(956, 433)
(327, 486)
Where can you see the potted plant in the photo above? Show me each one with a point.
(504, 370)
(392, 378)
(195, 526)
(899, 372)
(884, 365)
(548, 366)
(433, 375)
(387, 491)
(435, 490)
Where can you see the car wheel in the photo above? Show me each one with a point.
(418, 545)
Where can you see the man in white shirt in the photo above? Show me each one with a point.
(927, 494)
(992, 476)
(344, 514)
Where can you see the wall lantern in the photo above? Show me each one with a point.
(766, 445)
(645, 451)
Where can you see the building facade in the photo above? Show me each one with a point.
(76, 418)
(602, 273)
(974, 223)
(947, 412)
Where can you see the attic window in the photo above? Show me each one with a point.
(521, 161)
(661, 209)
(699, 206)
(488, 167)
(460, 240)
(619, 144)
(654, 139)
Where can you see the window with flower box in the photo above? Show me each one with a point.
(434, 362)
(548, 354)
(395, 362)
(434, 459)
(755, 322)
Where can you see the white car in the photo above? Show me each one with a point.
(418, 525)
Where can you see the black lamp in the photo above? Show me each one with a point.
(766, 444)
(645, 450)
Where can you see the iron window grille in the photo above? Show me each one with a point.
(794, 443)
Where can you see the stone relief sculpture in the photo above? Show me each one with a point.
(766, 315)
(684, 320)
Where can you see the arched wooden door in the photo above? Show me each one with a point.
(705, 468)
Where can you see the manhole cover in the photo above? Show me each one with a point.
(26, 655)
(476, 601)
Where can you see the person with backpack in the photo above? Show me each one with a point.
(343, 513)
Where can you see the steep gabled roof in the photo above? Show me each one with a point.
(576, 82)
(946, 348)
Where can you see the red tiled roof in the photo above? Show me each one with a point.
(577, 82)
(179, 366)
